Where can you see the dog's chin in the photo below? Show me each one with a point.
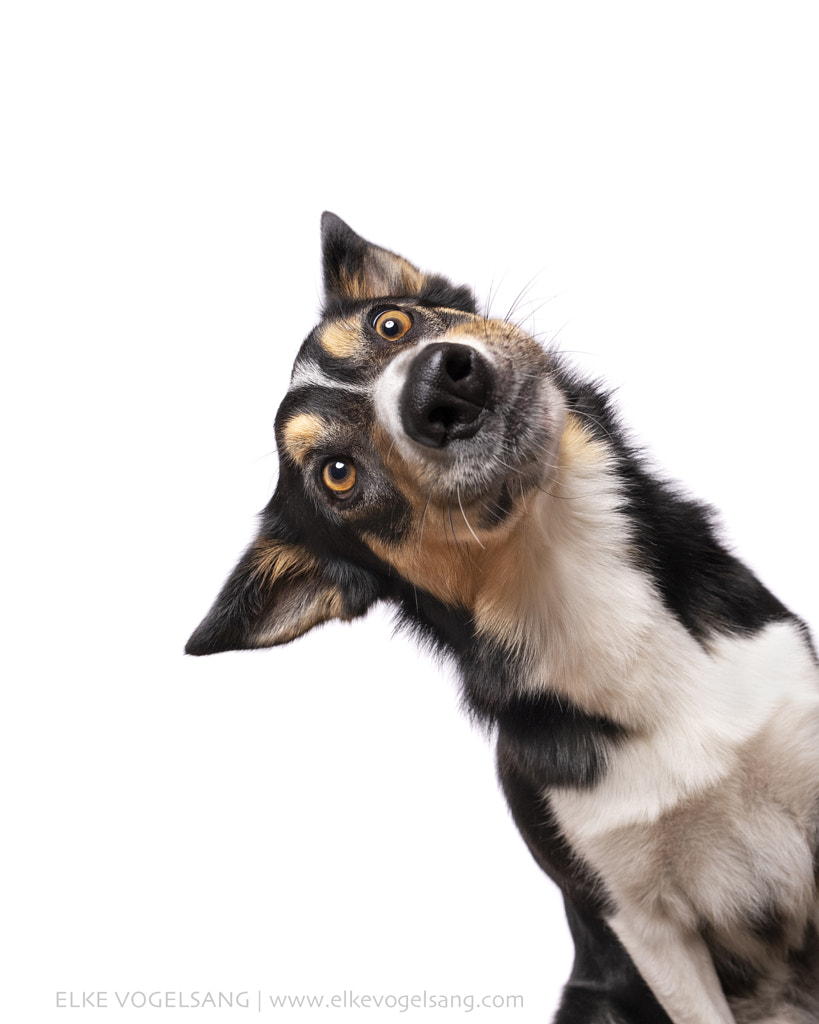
(504, 460)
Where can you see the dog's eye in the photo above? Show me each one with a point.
(339, 477)
(392, 325)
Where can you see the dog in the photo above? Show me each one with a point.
(656, 708)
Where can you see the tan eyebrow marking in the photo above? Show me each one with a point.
(340, 340)
(302, 433)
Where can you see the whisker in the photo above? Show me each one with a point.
(592, 419)
(468, 525)
(520, 297)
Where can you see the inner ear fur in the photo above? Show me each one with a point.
(355, 270)
(277, 592)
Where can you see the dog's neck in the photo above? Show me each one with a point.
(585, 621)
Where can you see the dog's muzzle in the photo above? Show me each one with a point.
(447, 391)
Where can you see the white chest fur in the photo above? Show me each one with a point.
(713, 795)
(707, 823)
(704, 825)
(720, 711)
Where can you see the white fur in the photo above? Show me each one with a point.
(707, 812)
(387, 396)
(307, 373)
(716, 704)
(387, 399)
(610, 645)
(710, 803)
(679, 971)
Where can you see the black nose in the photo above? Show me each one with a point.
(446, 390)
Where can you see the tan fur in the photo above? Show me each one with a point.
(295, 611)
(702, 827)
(273, 560)
(503, 608)
(441, 556)
(578, 447)
(302, 433)
(444, 554)
(382, 273)
(303, 598)
(499, 336)
(494, 574)
(341, 339)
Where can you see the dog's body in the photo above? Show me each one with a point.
(656, 708)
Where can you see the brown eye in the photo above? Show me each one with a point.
(392, 325)
(339, 476)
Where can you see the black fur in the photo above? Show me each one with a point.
(543, 740)
(702, 583)
(604, 986)
(345, 252)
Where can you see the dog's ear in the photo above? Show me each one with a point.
(277, 591)
(355, 269)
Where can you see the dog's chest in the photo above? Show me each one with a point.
(711, 811)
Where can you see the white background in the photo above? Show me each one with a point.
(321, 818)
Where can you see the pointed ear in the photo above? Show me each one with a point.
(355, 269)
(277, 592)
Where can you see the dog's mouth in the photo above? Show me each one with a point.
(471, 419)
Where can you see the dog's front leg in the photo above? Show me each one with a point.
(677, 967)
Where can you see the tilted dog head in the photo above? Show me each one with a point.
(412, 436)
